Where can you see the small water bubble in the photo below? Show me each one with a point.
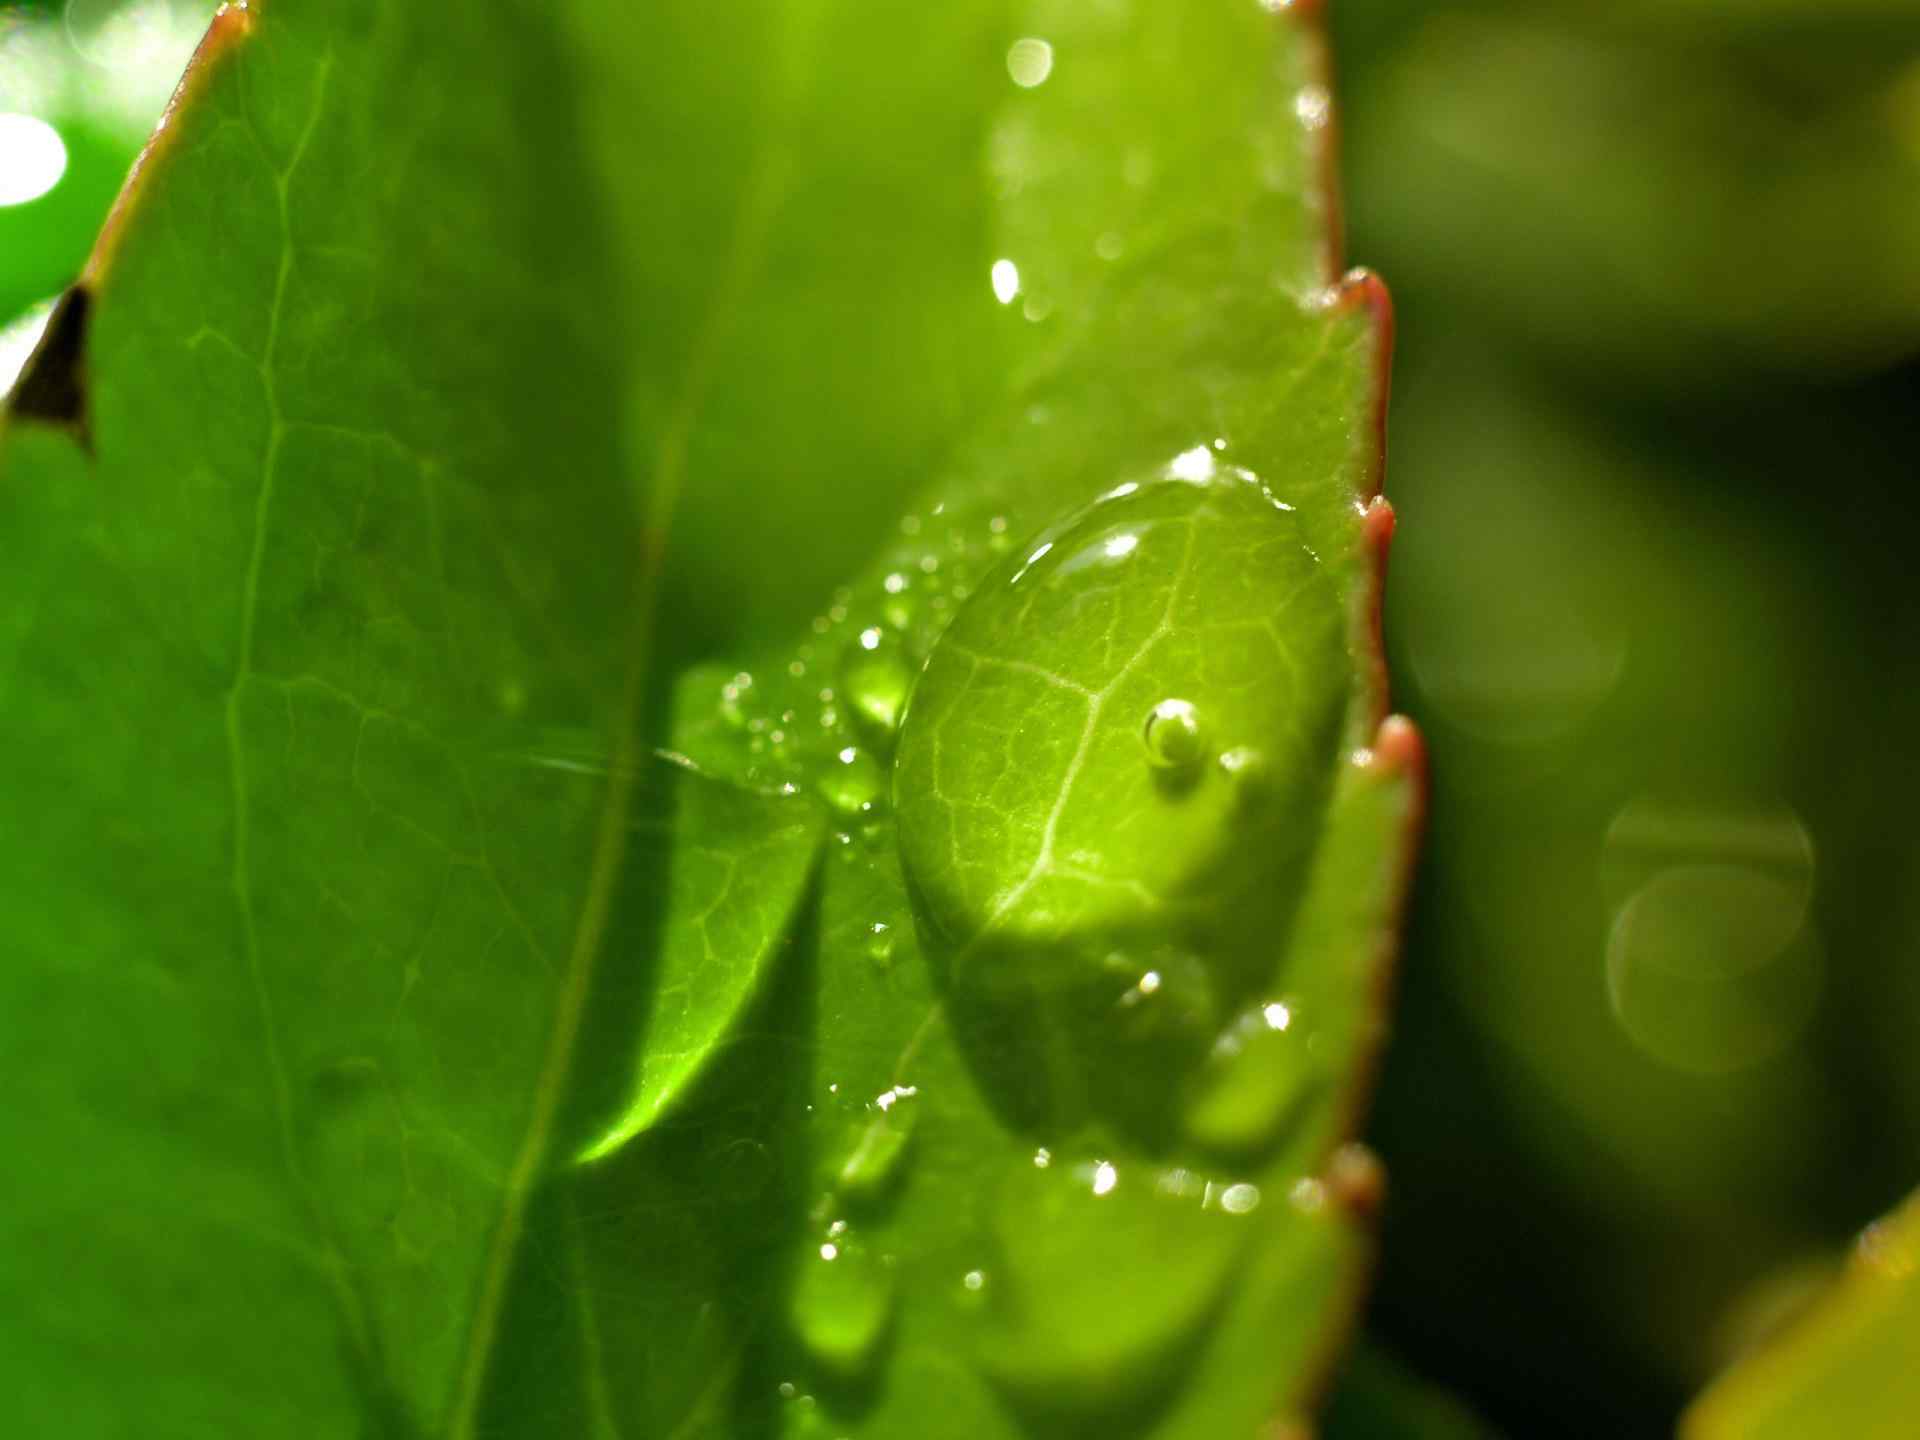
(880, 943)
(1243, 764)
(1312, 106)
(1308, 1196)
(874, 1161)
(841, 1306)
(1109, 246)
(1029, 62)
(1239, 1199)
(797, 668)
(1172, 735)
(734, 699)
(929, 564)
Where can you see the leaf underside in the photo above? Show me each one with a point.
(487, 710)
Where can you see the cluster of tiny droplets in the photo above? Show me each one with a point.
(824, 721)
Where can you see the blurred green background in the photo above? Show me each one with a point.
(1655, 426)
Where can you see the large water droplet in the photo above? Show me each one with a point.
(1039, 846)
(852, 783)
(1106, 1274)
(842, 1302)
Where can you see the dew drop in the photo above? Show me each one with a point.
(1259, 1080)
(873, 1164)
(852, 783)
(880, 943)
(841, 1306)
(1101, 1280)
(1090, 646)
(874, 680)
(734, 700)
(1173, 736)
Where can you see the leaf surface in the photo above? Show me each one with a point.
(559, 869)
(1849, 1366)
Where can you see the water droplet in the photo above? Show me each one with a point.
(841, 1305)
(872, 1165)
(1049, 683)
(875, 678)
(880, 943)
(734, 700)
(1101, 1282)
(1258, 1081)
(852, 783)
(1239, 1199)
(1029, 62)
(1173, 735)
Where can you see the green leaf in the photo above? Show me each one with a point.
(477, 403)
(1846, 1367)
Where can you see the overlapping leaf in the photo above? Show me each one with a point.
(462, 976)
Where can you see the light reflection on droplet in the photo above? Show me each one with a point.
(1312, 106)
(1005, 276)
(1105, 1177)
(1308, 1196)
(32, 158)
(1122, 545)
(1277, 1016)
(1029, 62)
(1193, 465)
(1239, 1199)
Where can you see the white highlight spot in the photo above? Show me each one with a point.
(1312, 106)
(1121, 546)
(1006, 281)
(32, 158)
(1105, 1177)
(1195, 464)
(1277, 1016)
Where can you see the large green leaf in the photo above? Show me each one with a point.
(1849, 1366)
(476, 961)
